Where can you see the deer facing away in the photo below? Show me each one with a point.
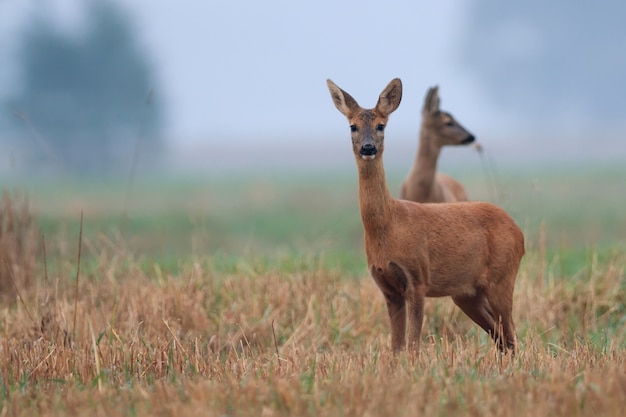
(469, 251)
(423, 183)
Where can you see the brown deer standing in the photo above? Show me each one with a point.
(470, 251)
(423, 183)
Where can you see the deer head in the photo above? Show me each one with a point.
(441, 127)
(367, 125)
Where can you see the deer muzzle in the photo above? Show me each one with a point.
(368, 151)
(468, 139)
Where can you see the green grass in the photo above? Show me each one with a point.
(572, 215)
(577, 212)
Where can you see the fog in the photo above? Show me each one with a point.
(244, 83)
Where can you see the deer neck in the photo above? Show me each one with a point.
(425, 166)
(375, 201)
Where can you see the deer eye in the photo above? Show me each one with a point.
(353, 128)
(380, 127)
(449, 123)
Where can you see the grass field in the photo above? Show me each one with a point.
(249, 295)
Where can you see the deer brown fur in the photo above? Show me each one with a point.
(469, 251)
(424, 184)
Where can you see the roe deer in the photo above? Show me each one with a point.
(470, 251)
(423, 183)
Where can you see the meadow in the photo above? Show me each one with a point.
(248, 295)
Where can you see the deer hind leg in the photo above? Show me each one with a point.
(501, 301)
(492, 315)
(477, 308)
(492, 311)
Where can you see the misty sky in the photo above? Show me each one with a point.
(256, 71)
(259, 68)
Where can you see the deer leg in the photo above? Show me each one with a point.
(501, 301)
(397, 317)
(478, 309)
(393, 286)
(504, 335)
(415, 299)
(492, 315)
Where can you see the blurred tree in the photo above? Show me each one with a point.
(85, 100)
(558, 61)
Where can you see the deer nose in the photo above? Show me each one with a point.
(368, 150)
(468, 139)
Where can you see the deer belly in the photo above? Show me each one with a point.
(452, 285)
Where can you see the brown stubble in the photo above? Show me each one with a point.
(201, 342)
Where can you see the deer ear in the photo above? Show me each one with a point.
(389, 99)
(343, 101)
(431, 102)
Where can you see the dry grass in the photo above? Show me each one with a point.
(19, 239)
(257, 341)
(252, 338)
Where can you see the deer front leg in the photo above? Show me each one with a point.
(397, 318)
(415, 300)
